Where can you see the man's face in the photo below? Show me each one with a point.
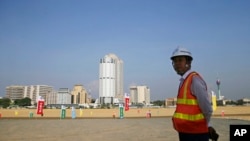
(180, 65)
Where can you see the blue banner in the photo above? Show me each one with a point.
(73, 112)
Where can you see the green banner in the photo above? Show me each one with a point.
(121, 112)
(31, 115)
(63, 113)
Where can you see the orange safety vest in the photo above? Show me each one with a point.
(188, 117)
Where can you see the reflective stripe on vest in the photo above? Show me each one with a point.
(184, 100)
(189, 117)
(187, 101)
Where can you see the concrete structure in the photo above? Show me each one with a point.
(79, 95)
(110, 79)
(33, 92)
(170, 102)
(63, 96)
(133, 94)
(218, 83)
(140, 94)
(246, 101)
(51, 98)
(15, 92)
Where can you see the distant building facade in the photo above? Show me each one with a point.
(79, 95)
(170, 102)
(139, 95)
(15, 92)
(33, 92)
(246, 101)
(110, 79)
(51, 98)
(63, 96)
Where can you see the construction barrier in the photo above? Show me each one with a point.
(222, 113)
(148, 114)
(113, 115)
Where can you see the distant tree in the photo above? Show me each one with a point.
(23, 102)
(139, 105)
(103, 106)
(240, 102)
(17, 101)
(5, 102)
(159, 103)
(231, 102)
(92, 100)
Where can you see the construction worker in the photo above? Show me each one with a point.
(193, 111)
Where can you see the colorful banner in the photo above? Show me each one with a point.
(39, 109)
(214, 103)
(73, 113)
(126, 102)
(121, 111)
(63, 112)
(81, 112)
(31, 114)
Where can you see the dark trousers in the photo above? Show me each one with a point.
(193, 137)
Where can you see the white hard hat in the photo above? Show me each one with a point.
(179, 51)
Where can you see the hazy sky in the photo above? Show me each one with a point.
(60, 42)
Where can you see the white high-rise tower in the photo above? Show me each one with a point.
(110, 79)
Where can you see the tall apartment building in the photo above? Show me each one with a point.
(110, 79)
(79, 95)
(33, 92)
(139, 94)
(15, 92)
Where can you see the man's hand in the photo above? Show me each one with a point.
(212, 134)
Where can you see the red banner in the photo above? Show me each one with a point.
(39, 109)
(126, 104)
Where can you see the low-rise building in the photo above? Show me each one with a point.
(170, 102)
(63, 96)
(14, 92)
(79, 95)
(140, 95)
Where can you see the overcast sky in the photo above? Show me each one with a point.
(60, 42)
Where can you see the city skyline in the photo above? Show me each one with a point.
(59, 43)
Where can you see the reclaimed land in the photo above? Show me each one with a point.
(233, 112)
(99, 124)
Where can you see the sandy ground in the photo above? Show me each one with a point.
(97, 124)
(235, 112)
(132, 129)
